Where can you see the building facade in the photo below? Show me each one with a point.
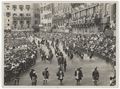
(62, 13)
(46, 14)
(92, 19)
(36, 13)
(84, 18)
(18, 15)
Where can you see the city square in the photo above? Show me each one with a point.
(59, 44)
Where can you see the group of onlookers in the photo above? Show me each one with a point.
(17, 61)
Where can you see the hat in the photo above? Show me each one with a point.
(80, 68)
(46, 68)
(95, 68)
(32, 69)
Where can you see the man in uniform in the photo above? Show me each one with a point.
(78, 75)
(45, 74)
(95, 76)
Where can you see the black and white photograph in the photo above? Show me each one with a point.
(59, 43)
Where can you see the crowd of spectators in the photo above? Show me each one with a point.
(18, 59)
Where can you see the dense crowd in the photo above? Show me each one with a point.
(18, 60)
(99, 44)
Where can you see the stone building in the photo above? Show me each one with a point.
(93, 18)
(46, 14)
(36, 13)
(62, 13)
(18, 15)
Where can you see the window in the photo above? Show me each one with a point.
(75, 16)
(85, 30)
(36, 22)
(28, 22)
(28, 7)
(21, 7)
(88, 12)
(8, 14)
(14, 14)
(45, 16)
(41, 9)
(14, 7)
(49, 24)
(8, 7)
(28, 14)
(8, 24)
(44, 8)
(91, 11)
(36, 15)
(38, 9)
(79, 14)
(21, 22)
(14, 22)
(21, 14)
(107, 9)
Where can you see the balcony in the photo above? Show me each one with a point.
(22, 18)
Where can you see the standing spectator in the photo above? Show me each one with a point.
(78, 75)
(112, 81)
(60, 75)
(17, 74)
(95, 76)
(31, 73)
(45, 74)
(65, 64)
(33, 77)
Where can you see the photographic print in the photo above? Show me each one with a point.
(59, 43)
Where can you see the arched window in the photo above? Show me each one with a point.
(14, 14)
